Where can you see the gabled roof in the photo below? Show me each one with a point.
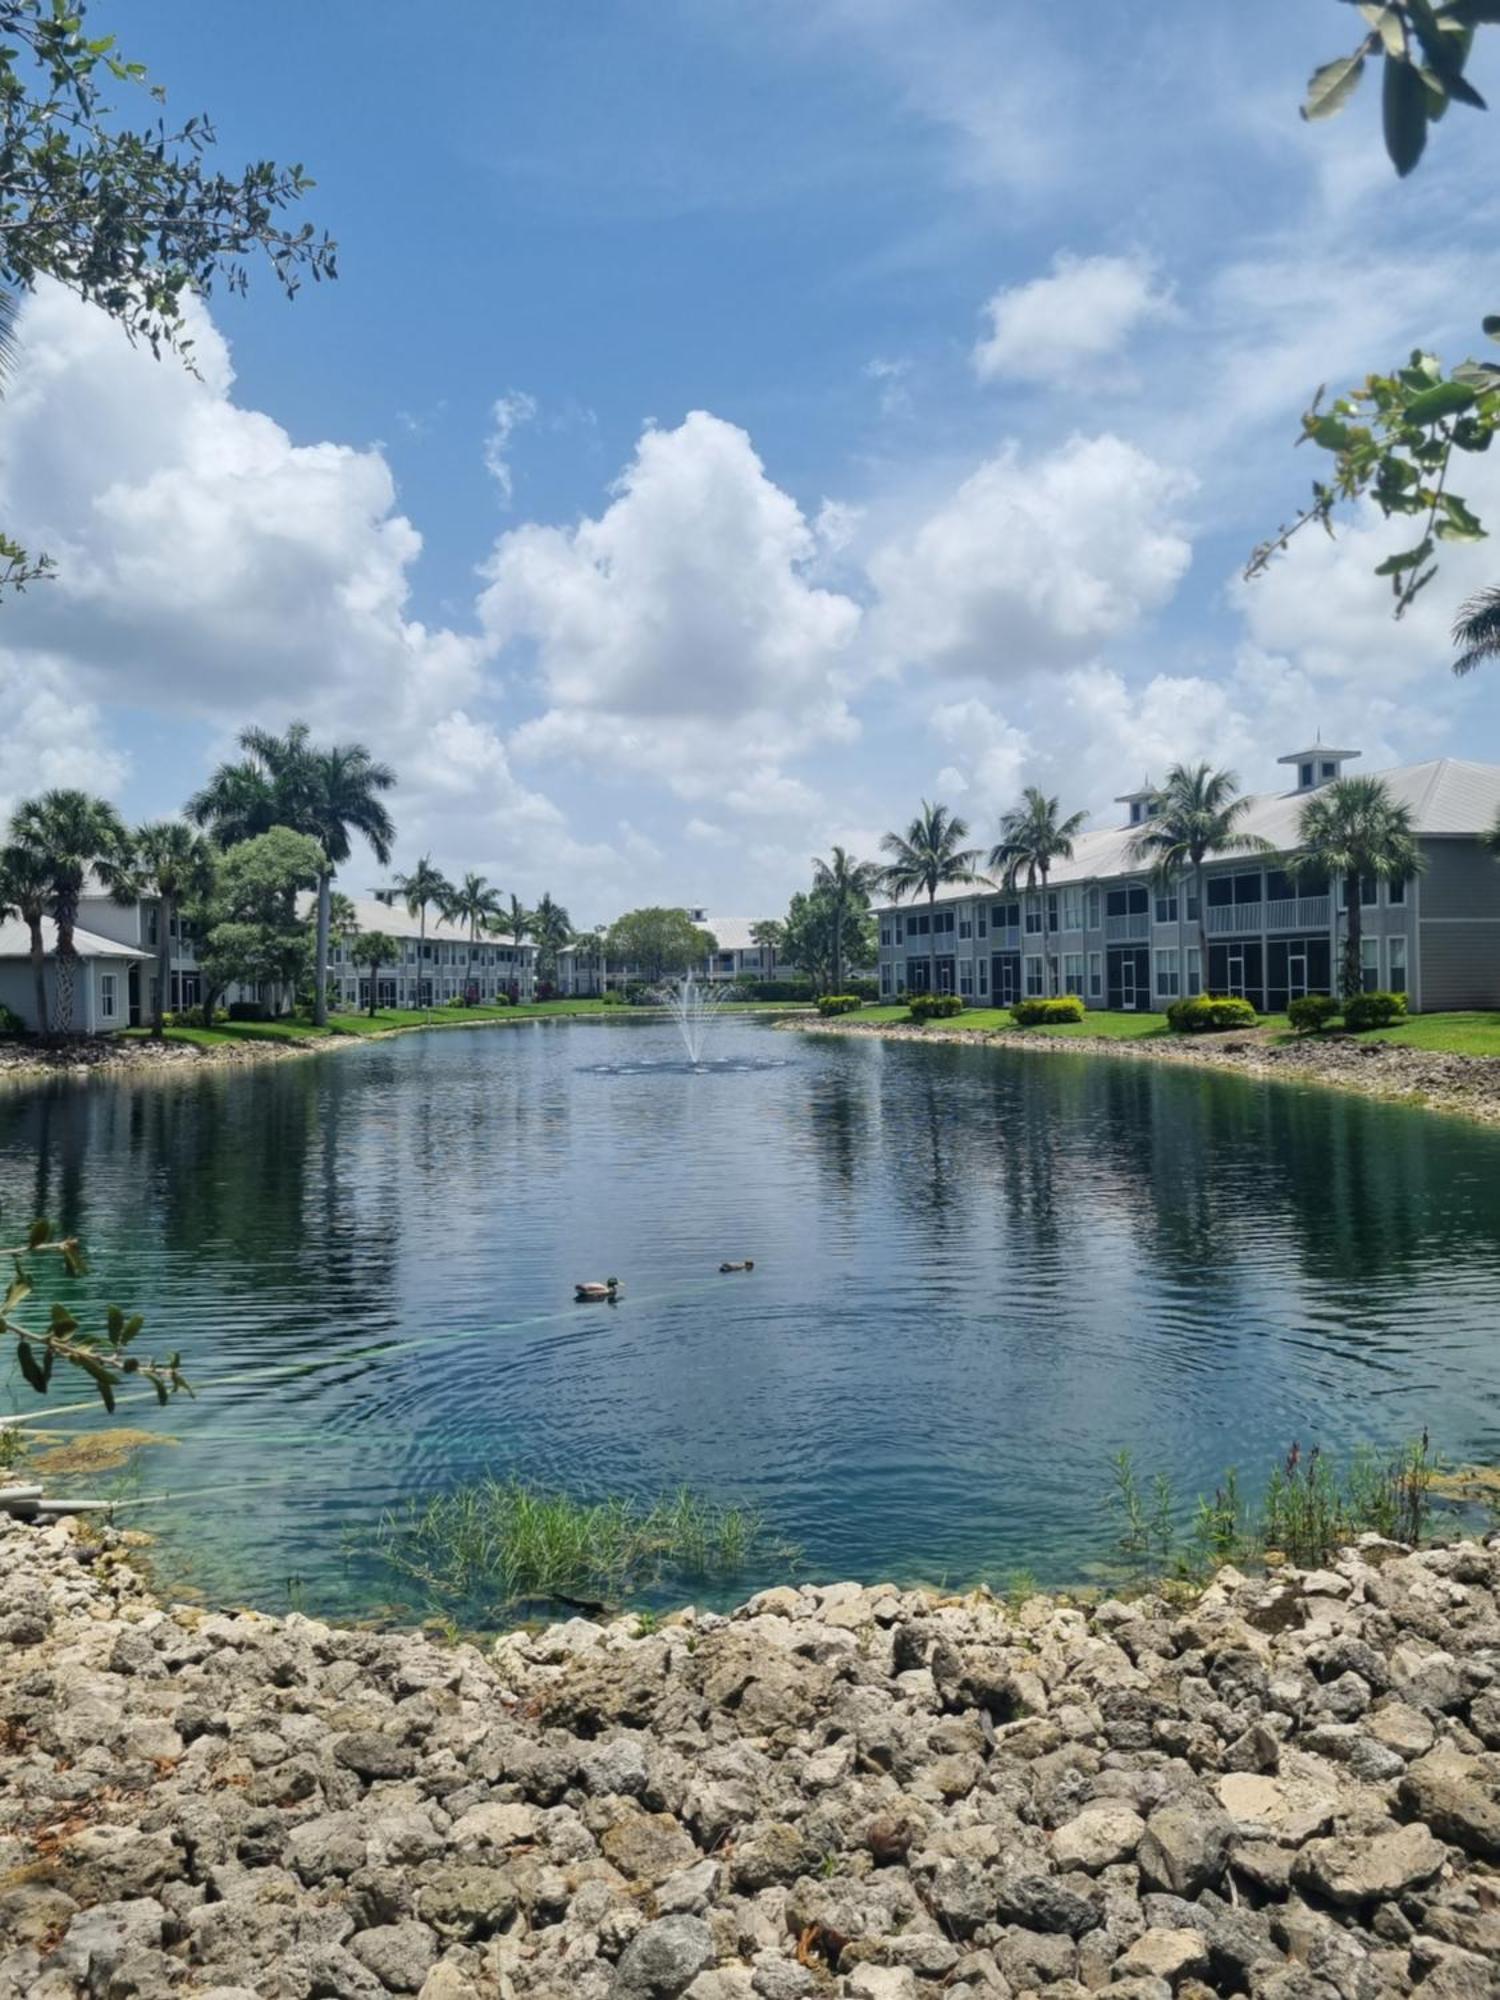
(371, 914)
(15, 942)
(1447, 796)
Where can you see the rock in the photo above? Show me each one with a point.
(888, 1840)
(618, 1766)
(464, 1900)
(692, 1890)
(1098, 1837)
(97, 1940)
(1290, 1809)
(781, 1979)
(399, 1955)
(1184, 1849)
(1354, 1870)
(664, 1959)
(648, 1847)
(370, 1754)
(882, 1982)
(774, 1853)
(494, 1826)
(1455, 1806)
(1401, 1728)
(1163, 1954)
(1042, 1903)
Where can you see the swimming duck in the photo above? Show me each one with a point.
(747, 1265)
(589, 1289)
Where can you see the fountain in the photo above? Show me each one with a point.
(692, 1007)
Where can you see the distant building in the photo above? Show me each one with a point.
(1118, 939)
(107, 979)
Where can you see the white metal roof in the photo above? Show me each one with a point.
(1447, 795)
(371, 914)
(15, 942)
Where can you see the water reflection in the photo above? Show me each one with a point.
(977, 1275)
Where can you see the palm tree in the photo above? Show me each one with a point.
(552, 927)
(514, 923)
(374, 949)
(476, 904)
(424, 888)
(849, 885)
(770, 935)
(340, 789)
(24, 884)
(1198, 816)
(1477, 630)
(175, 864)
(72, 833)
(1032, 837)
(238, 803)
(1352, 829)
(924, 859)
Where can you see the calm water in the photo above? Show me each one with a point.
(977, 1276)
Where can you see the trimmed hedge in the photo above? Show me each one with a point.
(934, 1006)
(1038, 1013)
(1312, 1012)
(840, 1003)
(1205, 1015)
(773, 989)
(1374, 1010)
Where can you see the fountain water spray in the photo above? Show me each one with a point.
(692, 1007)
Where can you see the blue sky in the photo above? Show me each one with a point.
(736, 421)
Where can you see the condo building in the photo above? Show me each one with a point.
(1106, 929)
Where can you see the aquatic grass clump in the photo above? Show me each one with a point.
(1312, 1508)
(508, 1541)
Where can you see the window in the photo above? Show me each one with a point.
(1396, 947)
(1133, 902)
(1166, 906)
(942, 923)
(885, 936)
(1369, 964)
(106, 996)
(1072, 909)
(1052, 909)
(984, 975)
(1073, 972)
(1033, 917)
(965, 976)
(965, 927)
(1194, 970)
(1247, 888)
(1168, 975)
(1304, 775)
(1190, 901)
(1329, 770)
(1278, 886)
(1395, 894)
(1092, 909)
(1096, 975)
(900, 933)
(979, 920)
(1369, 891)
(1035, 980)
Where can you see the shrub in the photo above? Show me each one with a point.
(863, 989)
(248, 1010)
(1035, 1013)
(776, 989)
(934, 1006)
(839, 1003)
(1312, 1012)
(10, 1021)
(1206, 1015)
(457, 1000)
(614, 998)
(1374, 1010)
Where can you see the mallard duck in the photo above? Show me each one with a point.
(747, 1265)
(591, 1289)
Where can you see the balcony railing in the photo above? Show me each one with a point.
(1285, 913)
(1005, 937)
(1135, 926)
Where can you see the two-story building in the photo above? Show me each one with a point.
(1107, 930)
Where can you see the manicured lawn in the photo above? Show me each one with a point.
(238, 1031)
(997, 1020)
(1476, 1034)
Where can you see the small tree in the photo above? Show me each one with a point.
(71, 835)
(848, 885)
(103, 1356)
(24, 888)
(371, 950)
(1353, 829)
(660, 943)
(552, 928)
(1197, 816)
(251, 933)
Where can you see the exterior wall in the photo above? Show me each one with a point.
(441, 968)
(91, 993)
(1458, 925)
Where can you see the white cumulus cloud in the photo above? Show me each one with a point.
(1053, 328)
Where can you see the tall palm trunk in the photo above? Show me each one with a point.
(422, 984)
(838, 946)
(374, 984)
(163, 966)
(1352, 976)
(469, 962)
(932, 941)
(325, 906)
(1048, 960)
(38, 971)
(1200, 888)
(65, 915)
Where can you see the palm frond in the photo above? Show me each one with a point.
(1477, 630)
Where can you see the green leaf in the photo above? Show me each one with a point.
(1330, 433)
(37, 1235)
(1491, 325)
(1330, 88)
(30, 1368)
(1404, 114)
(115, 1320)
(102, 1380)
(1407, 559)
(1445, 399)
(18, 1290)
(1459, 524)
(63, 1321)
(1387, 24)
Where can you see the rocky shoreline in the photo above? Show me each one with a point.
(1287, 1788)
(1468, 1086)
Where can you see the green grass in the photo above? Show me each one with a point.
(1474, 1034)
(510, 1542)
(997, 1020)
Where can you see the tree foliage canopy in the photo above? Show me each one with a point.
(659, 943)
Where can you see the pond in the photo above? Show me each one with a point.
(977, 1275)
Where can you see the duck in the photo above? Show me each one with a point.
(587, 1290)
(747, 1265)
